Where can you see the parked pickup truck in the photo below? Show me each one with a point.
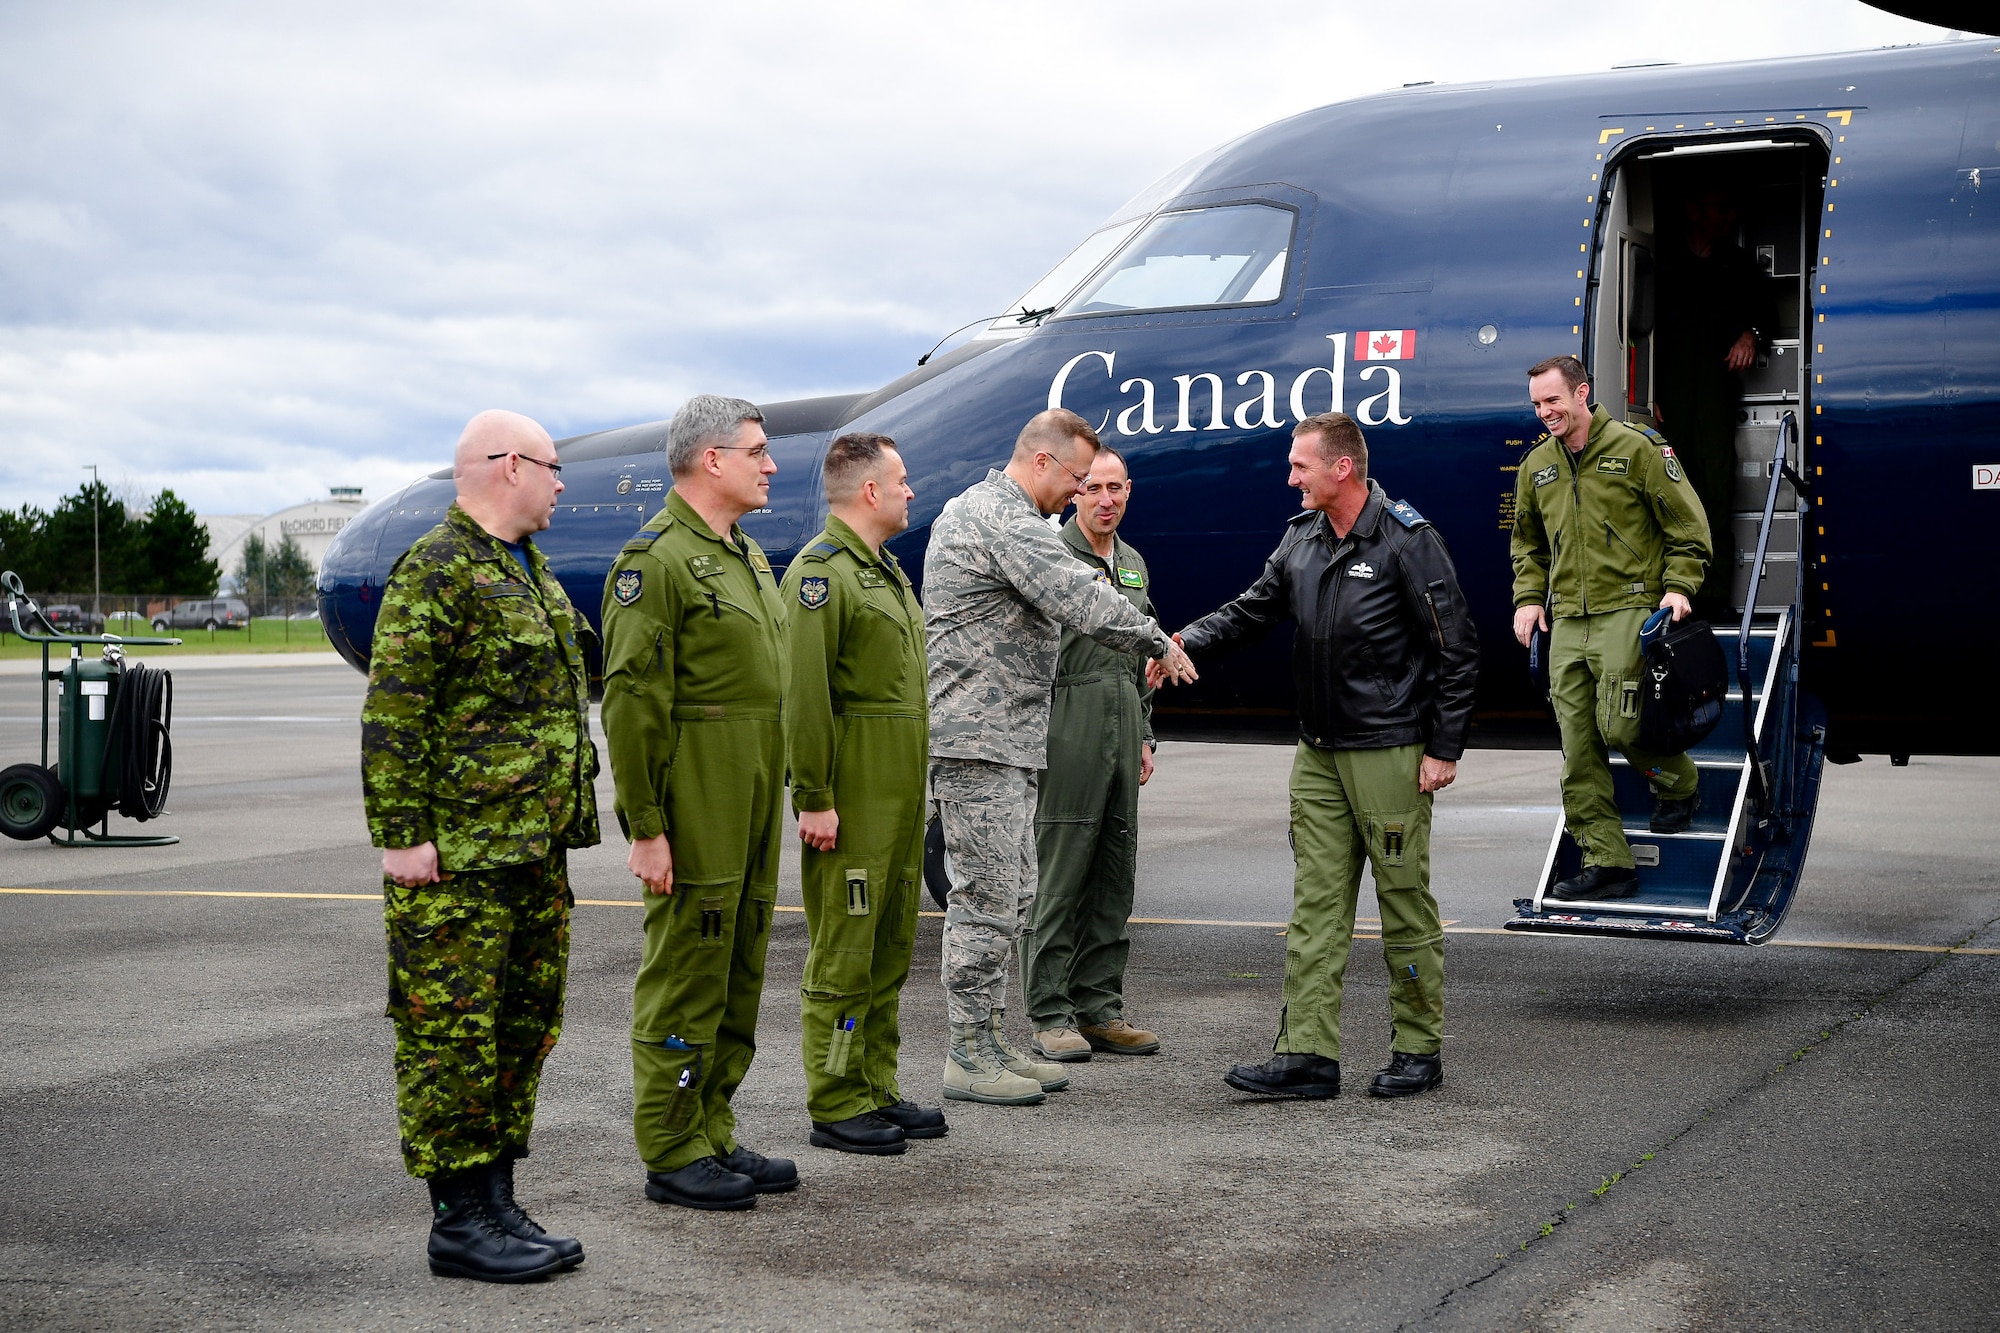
(209, 613)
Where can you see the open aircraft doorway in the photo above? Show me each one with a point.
(1699, 318)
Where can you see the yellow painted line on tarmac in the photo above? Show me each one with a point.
(1451, 927)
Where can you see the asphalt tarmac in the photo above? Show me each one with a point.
(199, 1124)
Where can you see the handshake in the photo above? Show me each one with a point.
(1173, 667)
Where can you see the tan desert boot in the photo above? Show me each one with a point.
(973, 1072)
(1120, 1037)
(1051, 1077)
(1061, 1044)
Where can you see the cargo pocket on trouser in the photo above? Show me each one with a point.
(667, 1079)
(1399, 847)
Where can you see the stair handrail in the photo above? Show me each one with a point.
(1781, 472)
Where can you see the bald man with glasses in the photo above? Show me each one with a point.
(476, 766)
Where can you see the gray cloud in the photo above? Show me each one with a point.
(253, 251)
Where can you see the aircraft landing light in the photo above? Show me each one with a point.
(1451, 925)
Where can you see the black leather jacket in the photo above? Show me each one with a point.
(1385, 652)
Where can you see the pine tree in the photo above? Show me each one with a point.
(168, 551)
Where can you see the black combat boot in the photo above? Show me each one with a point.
(1288, 1075)
(500, 1202)
(1597, 884)
(1408, 1074)
(705, 1183)
(773, 1175)
(1674, 816)
(871, 1134)
(467, 1240)
(916, 1122)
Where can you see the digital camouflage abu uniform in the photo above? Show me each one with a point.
(1087, 822)
(999, 585)
(475, 736)
(693, 692)
(1599, 537)
(856, 724)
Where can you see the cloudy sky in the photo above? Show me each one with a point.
(250, 251)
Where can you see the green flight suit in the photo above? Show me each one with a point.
(857, 727)
(693, 696)
(1599, 537)
(1087, 818)
(1350, 808)
(475, 736)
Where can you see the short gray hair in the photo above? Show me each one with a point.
(706, 418)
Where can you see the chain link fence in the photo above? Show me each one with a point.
(255, 618)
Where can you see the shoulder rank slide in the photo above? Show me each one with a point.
(819, 550)
(1648, 432)
(1403, 513)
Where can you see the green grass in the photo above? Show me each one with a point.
(264, 635)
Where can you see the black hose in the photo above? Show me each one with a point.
(137, 734)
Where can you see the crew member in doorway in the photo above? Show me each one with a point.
(1087, 818)
(476, 768)
(1716, 310)
(694, 671)
(1606, 530)
(1384, 659)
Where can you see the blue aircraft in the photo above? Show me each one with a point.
(1405, 257)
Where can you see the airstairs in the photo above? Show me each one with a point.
(1731, 877)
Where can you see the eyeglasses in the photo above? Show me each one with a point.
(527, 458)
(1114, 489)
(757, 452)
(1079, 477)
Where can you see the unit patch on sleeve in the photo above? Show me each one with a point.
(812, 593)
(1673, 465)
(625, 587)
(1619, 465)
(1546, 475)
(1405, 513)
(1131, 578)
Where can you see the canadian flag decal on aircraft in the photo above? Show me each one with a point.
(1385, 345)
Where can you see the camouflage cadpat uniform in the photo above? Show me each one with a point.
(856, 726)
(1087, 817)
(999, 586)
(693, 698)
(475, 736)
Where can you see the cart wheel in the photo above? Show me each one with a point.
(937, 862)
(31, 802)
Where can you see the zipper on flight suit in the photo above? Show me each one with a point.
(1576, 508)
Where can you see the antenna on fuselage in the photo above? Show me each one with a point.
(1024, 316)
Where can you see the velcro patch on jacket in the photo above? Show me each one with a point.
(812, 593)
(870, 578)
(504, 590)
(1673, 465)
(1131, 578)
(704, 566)
(1546, 475)
(1361, 569)
(1619, 465)
(625, 586)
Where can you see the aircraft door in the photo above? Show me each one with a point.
(1622, 298)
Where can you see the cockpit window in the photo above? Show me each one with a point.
(1046, 295)
(1229, 255)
